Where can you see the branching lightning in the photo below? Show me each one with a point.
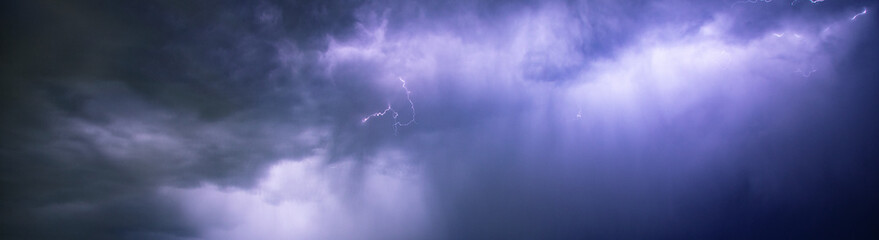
(411, 105)
(794, 2)
(382, 113)
(394, 113)
(808, 73)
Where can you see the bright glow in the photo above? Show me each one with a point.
(312, 198)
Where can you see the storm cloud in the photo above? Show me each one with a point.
(667, 119)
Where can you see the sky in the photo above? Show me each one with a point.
(482, 119)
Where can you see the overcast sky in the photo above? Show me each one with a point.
(484, 119)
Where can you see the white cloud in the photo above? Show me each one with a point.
(314, 199)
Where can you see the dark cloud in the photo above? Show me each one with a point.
(532, 119)
(106, 101)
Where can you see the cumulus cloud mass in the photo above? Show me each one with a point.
(301, 119)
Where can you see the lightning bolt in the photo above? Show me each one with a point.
(411, 106)
(859, 14)
(751, 1)
(807, 74)
(812, 1)
(395, 114)
(379, 114)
